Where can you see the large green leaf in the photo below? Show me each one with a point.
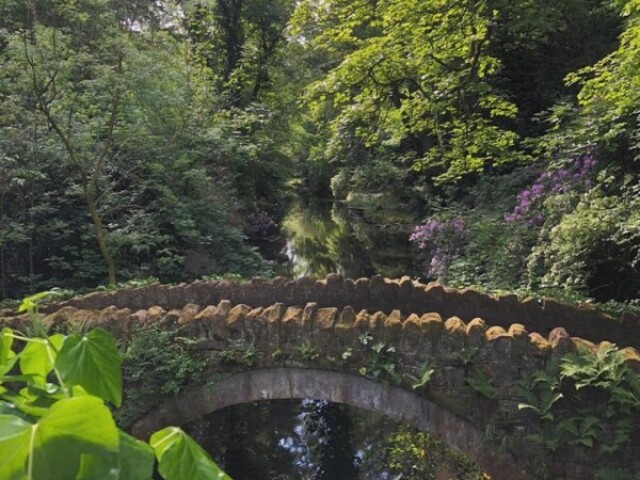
(93, 362)
(15, 434)
(181, 458)
(136, 459)
(38, 357)
(7, 356)
(76, 439)
(72, 430)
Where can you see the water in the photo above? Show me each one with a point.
(324, 237)
(313, 440)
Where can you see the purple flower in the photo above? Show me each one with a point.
(576, 177)
(441, 240)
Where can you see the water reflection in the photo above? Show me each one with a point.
(324, 237)
(317, 440)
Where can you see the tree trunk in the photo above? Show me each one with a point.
(3, 266)
(101, 236)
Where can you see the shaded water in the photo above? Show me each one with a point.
(322, 237)
(313, 440)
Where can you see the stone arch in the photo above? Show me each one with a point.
(336, 387)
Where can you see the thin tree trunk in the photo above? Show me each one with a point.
(3, 266)
(101, 236)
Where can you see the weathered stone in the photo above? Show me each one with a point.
(453, 338)
(361, 323)
(235, 322)
(188, 313)
(376, 325)
(292, 326)
(393, 327)
(561, 343)
(541, 346)
(361, 298)
(272, 315)
(344, 327)
(308, 318)
(411, 334)
(475, 332)
(325, 318)
(494, 332)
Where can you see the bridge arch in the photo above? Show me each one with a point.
(336, 387)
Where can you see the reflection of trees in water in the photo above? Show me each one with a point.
(325, 237)
(317, 440)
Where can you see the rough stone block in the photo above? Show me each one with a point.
(291, 328)
(188, 313)
(411, 334)
(376, 325)
(475, 332)
(393, 328)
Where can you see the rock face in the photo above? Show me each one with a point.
(286, 338)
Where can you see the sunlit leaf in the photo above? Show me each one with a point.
(136, 459)
(93, 362)
(7, 356)
(38, 357)
(15, 434)
(181, 458)
(73, 429)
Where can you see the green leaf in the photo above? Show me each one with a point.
(15, 434)
(38, 357)
(7, 356)
(92, 362)
(181, 458)
(69, 435)
(136, 459)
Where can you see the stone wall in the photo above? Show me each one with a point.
(342, 339)
(384, 295)
(336, 325)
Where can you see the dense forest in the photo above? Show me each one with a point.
(139, 138)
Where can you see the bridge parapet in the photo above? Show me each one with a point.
(380, 294)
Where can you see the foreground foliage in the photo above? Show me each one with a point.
(55, 420)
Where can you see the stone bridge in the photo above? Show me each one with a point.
(368, 343)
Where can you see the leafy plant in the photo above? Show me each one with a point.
(557, 399)
(425, 372)
(467, 356)
(55, 422)
(479, 382)
(541, 393)
(156, 364)
(307, 351)
(381, 359)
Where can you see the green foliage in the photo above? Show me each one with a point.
(418, 456)
(409, 73)
(425, 372)
(180, 457)
(381, 359)
(479, 382)
(614, 474)
(307, 351)
(593, 249)
(156, 364)
(589, 400)
(54, 423)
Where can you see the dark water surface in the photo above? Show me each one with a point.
(315, 440)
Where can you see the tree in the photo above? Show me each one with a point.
(411, 76)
